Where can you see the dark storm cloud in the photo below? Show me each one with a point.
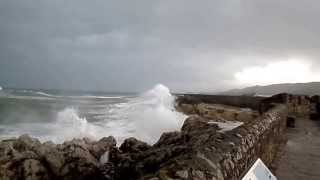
(132, 45)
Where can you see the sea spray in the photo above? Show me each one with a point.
(154, 113)
(145, 117)
(69, 125)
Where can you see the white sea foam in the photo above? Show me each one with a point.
(145, 117)
(153, 113)
(43, 94)
(0, 88)
(76, 97)
(98, 97)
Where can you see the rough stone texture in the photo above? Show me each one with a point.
(27, 158)
(297, 105)
(220, 113)
(134, 146)
(239, 101)
(315, 108)
(225, 156)
(200, 151)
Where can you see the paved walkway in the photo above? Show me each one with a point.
(301, 158)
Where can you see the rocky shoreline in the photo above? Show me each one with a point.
(27, 158)
(198, 151)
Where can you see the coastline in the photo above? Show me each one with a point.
(198, 151)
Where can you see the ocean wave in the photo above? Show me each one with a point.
(78, 97)
(25, 93)
(43, 94)
(145, 117)
(98, 97)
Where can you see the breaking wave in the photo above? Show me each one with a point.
(43, 94)
(145, 117)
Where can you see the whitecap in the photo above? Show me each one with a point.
(145, 117)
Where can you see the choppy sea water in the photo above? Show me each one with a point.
(58, 116)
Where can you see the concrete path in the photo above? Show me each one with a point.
(301, 156)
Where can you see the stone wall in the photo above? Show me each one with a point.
(226, 156)
(239, 101)
(315, 108)
(218, 112)
(297, 105)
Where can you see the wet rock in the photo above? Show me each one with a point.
(19, 159)
(171, 138)
(182, 174)
(28, 158)
(34, 170)
(133, 145)
(100, 147)
(195, 123)
(84, 164)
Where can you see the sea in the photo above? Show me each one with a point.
(58, 116)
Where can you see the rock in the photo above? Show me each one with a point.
(104, 158)
(182, 174)
(26, 142)
(133, 145)
(28, 158)
(108, 171)
(34, 170)
(196, 174)
(19, 159)
(83, 165)
(186, 109)
(103, 145)
(196, 123)
(169, 138)
(154, 178)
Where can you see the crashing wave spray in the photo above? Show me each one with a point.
(154, 113)
(145, 117)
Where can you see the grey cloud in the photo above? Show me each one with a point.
(132, 45)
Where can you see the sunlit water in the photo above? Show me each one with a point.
(60, 116)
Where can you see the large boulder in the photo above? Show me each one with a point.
(28, 158)
(98, 148)
(134, 146)
(196, 123)
(79, 162)
(19, 159)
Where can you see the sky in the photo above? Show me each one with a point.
(187, 45)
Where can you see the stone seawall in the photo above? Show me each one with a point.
(239, 101)
(226, 156)
(298, 105)
(261, 139)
